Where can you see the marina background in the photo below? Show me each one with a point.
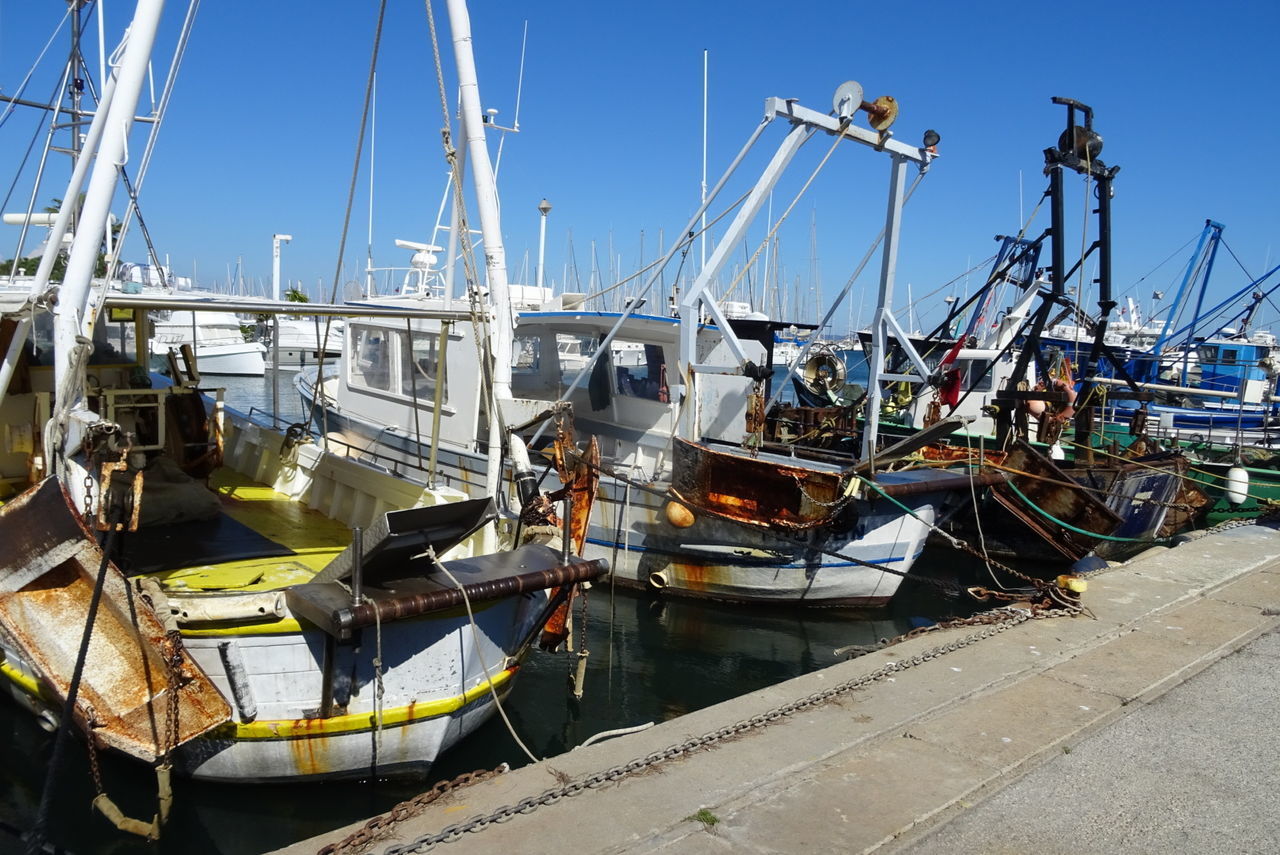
(610, 119)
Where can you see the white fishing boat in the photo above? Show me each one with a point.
(211, 596)
(686, 506)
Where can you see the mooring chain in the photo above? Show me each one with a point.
(360, 839)
(1015, 616)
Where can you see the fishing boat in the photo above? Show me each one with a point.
(221, 599)
(685, 506)
(1063, 497)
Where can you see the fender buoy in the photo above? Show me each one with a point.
(1237, 485)
(1069, 410)
(1035, 408)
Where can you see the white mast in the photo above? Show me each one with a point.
(495, 256)
(76, 313)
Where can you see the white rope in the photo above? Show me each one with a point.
(782, 219)
(977, 516)
(475, 636)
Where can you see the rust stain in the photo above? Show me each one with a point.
(125, 687)
(759, 492)
(310, 750)
(694, 576)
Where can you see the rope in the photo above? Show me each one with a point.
(475, 636)
(321, 396)
(1040, 585)
(777, 224)
(690, 238)
(22, 88)
(1208, 475)
(1068, 526)
(479, 318)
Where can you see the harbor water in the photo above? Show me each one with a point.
(649, 660)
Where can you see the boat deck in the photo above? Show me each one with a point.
(262, 540)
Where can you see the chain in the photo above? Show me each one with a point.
(360, 840)
(88, 491)
(91, 741)
(843, 499)
(998, 624)
(173, 659)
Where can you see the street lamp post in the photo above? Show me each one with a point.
(950, 300)
(276, 240)
(544, 208)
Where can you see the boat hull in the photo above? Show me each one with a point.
(837, 564)
(245, 359)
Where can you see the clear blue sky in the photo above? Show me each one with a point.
(261, 135)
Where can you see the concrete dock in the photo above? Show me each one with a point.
(1003, 738)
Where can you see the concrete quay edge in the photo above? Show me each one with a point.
(877, 766)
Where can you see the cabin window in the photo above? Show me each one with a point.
(526, 355)
(1228, 356)
(420, 365)
(640, 369)
(574, 351)
(115, 340)
(1209, 353)
(979, 378)
(369, 358)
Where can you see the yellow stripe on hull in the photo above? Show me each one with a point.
(307, 728)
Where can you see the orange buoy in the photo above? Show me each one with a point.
(678, 515)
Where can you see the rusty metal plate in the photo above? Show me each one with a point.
(1053, 492)
(761, 492)
(47, 573)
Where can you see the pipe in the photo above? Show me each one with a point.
(659, 580)
(238, 677)
(357, 566)
(949, 482)
(412, 605)
(13, 354)
(442, 372)
(526, 480)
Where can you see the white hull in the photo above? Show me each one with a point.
(714, 559)
(247, 359)
(435, 693)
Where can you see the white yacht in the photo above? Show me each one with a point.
(218, 340)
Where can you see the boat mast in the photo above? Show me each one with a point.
(76, 313)
(495, 255)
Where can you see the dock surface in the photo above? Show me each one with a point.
(930, 745)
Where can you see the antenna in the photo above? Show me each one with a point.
(703, 227)
(515, 120)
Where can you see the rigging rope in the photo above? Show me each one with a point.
(321, 395)
(690, 237)
(22, 87)
(1068, 526)
(839, 136)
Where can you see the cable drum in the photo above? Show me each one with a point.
(824, 373)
